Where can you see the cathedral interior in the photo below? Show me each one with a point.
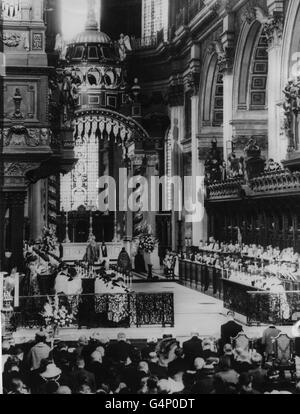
(150, 181)
(159, 88)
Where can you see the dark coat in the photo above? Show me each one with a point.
(192, 349)
(99, 372)
(230, 330)
(204, 382)
(80, 375)
(119, 351)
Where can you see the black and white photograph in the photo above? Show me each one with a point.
(149, 199)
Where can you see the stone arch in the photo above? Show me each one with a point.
(248, 46)
(212, 90)
(290, 65)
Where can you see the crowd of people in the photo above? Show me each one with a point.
(97, 365)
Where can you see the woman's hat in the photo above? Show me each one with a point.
(52, 371)
(296, 330)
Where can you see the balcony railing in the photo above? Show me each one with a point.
(281, 180)
(227, 189)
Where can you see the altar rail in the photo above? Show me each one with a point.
(200, 276)
(101, 310)
(273, 308)
(261, 307)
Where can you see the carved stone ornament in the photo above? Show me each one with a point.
(193, 81)
(11, 39)
(249, 14)
(224, 56)
(19, 136)
(18, 169)
(274, 26)
(14, 39)
(291, 108)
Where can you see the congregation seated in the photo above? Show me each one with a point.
(97, 365)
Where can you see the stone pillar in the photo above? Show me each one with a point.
(174, 165)
(37, 10)
(3, 209)
(26, 10)
(197, 227)
(17, 203)
(36, 219)
(225, 62)
(273, 29)
(151, 172)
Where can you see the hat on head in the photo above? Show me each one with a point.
(41, 334)
(296, 330)
(52, 371)
(83, 340)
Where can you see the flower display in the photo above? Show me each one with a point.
(147, 241)
(56, 314)
(48, 240)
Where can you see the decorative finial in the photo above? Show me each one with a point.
(91, 23)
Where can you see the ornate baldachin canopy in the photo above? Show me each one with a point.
(106, 123)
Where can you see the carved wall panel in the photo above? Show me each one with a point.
(19, 138)
(20, 100)
(15, 40)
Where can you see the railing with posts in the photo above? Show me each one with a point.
(201, 276)
(273, 308)
(226, 189)
(101, 310)
(281, 180)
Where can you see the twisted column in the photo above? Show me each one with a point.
(3, 208)
(139, 170)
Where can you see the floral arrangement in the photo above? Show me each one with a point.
(48, 240)
(147, 241)
(57, 315)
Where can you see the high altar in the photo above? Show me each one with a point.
(103, 117)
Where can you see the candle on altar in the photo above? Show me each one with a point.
(17, 291)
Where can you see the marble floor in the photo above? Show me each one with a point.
(193, 311)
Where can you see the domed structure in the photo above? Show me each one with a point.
(91, 45)
(94, 67)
